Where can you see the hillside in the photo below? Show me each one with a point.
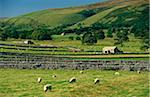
(52, 17)
(109, 12)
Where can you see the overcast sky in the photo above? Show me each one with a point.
(10, 8)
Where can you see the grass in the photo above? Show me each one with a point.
(115, 58)
(52, 17)
(93, 19)
(22, 83)
(133, 45)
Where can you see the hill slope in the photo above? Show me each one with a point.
(108, 12)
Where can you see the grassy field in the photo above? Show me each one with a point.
(52, 17)
(23, 83)
(132, 46)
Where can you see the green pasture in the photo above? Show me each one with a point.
(64, 43)
(23, 83)
(52, 17)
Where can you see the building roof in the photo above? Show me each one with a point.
(109, 47)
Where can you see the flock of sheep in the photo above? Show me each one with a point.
(72, 80)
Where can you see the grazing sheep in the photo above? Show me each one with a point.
(47, 87)
(73, 79)
(39, 79)
(138, 71)
(117, 73)
(96, 81)
(53, 76)
(81, 72)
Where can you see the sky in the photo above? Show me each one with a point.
(12, 8)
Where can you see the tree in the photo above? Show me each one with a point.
(71, 38)
(3, 36)
(78, 38)
(110, 33)
(97, 26)
(89, 39)
(146, 42)
(122, 35)
(100, 34)
(88, 12)
(42, 33)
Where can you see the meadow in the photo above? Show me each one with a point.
(23, 83)
(64, 44)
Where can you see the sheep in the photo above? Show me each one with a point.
(117, 73)
(96, 81)
(138, 71)
(47, 87)
(39, 79)
(81, 72)
(73, 79)
(53, 76)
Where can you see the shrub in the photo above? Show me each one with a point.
(71, 38)
(78, 38)
(89, 39)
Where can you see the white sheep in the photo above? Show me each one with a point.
(47, 87)
(96, 81)
(39, 79)
(81, 72)
(138, 71)
(117, 73)
(73, 79)
(53, 76)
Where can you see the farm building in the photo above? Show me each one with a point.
(62, 34)
(28, 42)
(111, 50)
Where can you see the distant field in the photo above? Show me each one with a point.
(23, 83)
(63, 43)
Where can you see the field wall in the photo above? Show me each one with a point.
(47, 62)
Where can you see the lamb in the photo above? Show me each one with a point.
(47, 87)
(81, 72)
(138, 71)
(117, 73)
(39, 79)
(53, 76)
(96, 81)
(73, 79)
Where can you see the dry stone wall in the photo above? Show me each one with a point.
(32, 62)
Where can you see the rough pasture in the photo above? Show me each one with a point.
(23, 83)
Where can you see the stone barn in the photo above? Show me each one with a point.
(111, 50)
(28, 42)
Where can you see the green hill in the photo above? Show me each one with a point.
(108, 12)
(52, 17)
(125, 14)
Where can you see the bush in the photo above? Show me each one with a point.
(89, 39)
(109, 34)
(3, 36)
(71, 38)
(78, 38)
(100, 34)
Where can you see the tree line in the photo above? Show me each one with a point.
(90, 34)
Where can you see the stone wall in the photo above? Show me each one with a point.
(62, 63)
